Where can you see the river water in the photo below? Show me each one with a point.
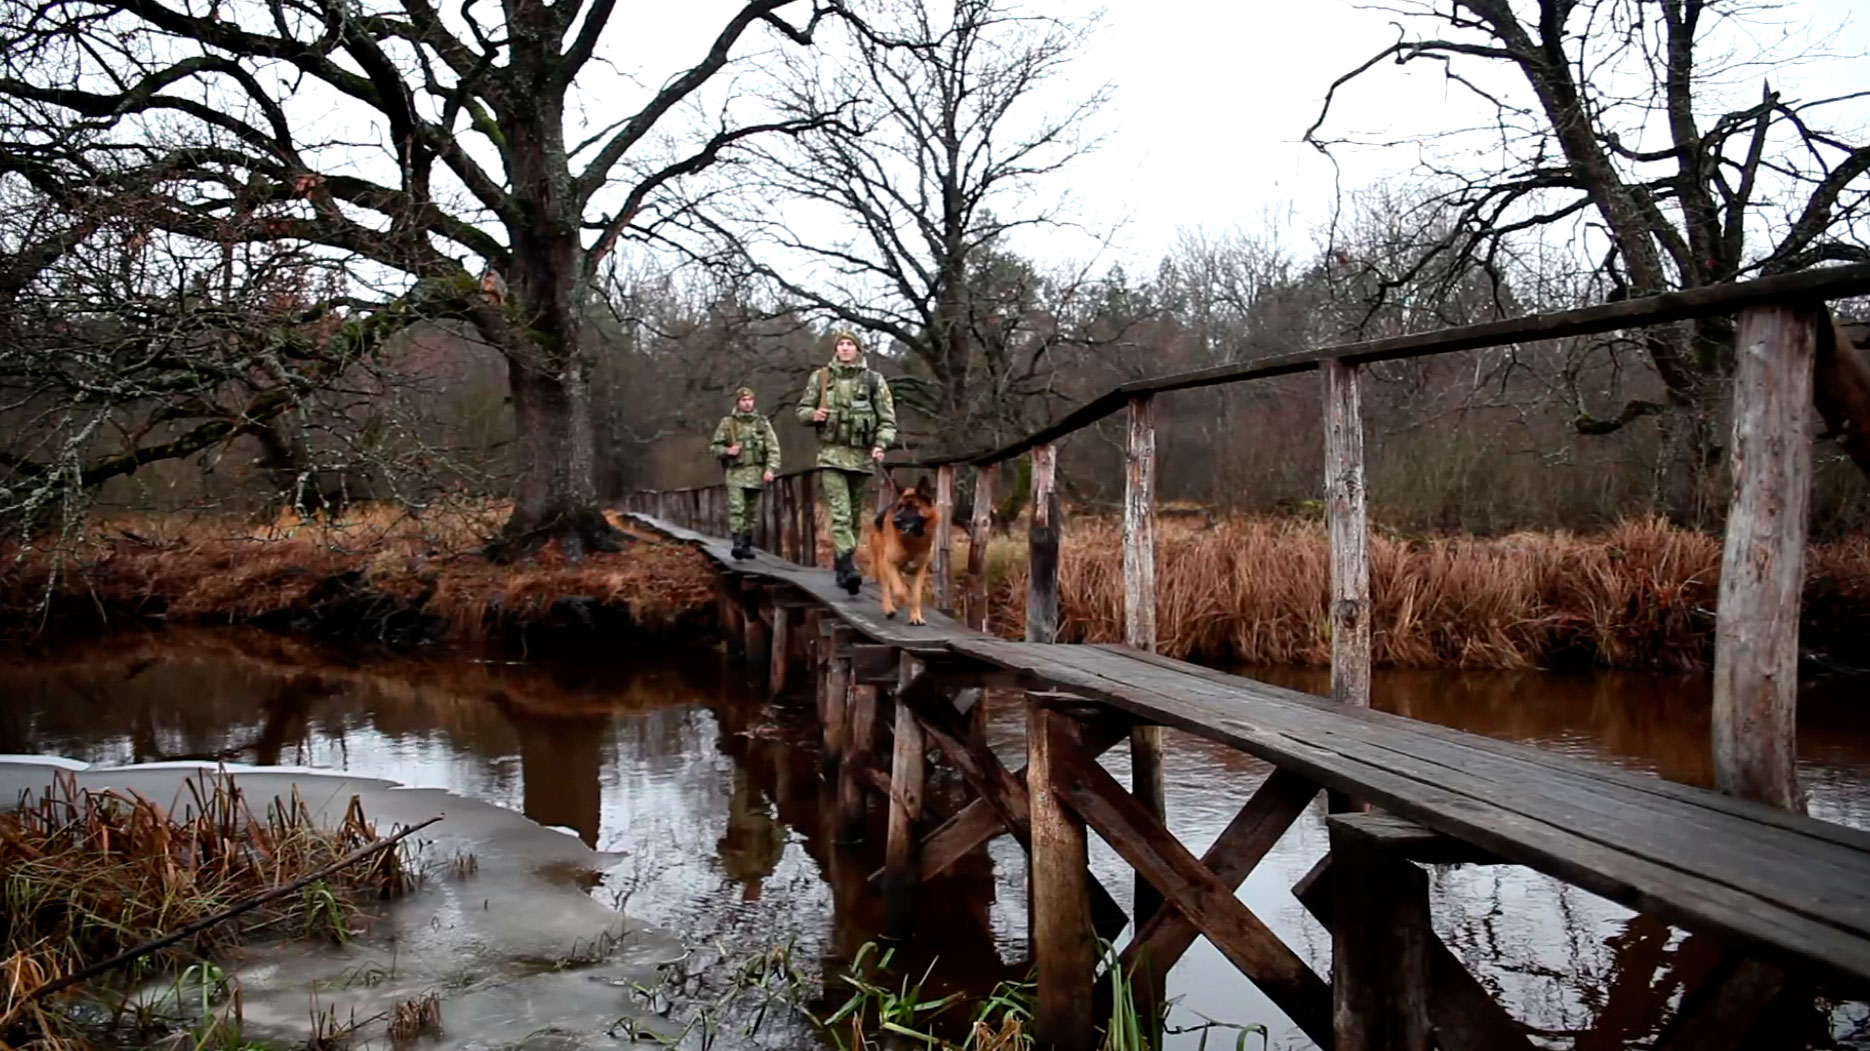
(713, 827)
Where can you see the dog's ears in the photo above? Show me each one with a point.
(924, 489)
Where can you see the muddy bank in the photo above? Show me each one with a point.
(391, 580)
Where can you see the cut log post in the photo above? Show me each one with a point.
(1064, 948)
(979, 533)
(781, 662)
(1042, 543)
(837, 698)
(853, 804)
(791, 511)
(1345, 512)
(907, 768)
(1350, 537)
(944, 538)
(695, 520)
(1139, 623)
(812, 645)
(1380, 976)
(1756, 635)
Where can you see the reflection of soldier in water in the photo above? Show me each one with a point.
(751, 847)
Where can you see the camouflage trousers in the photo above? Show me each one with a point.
(845, 493)
(743, 508)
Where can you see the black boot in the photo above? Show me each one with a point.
(743, 545)
(848, 577)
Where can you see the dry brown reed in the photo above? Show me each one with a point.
(1252, 589)
(90, 874)
(378, 571)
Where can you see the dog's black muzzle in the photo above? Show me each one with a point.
(909, 521)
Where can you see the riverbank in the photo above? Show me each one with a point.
(379, 574)
(1639, 595)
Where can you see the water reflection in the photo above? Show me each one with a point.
(713, 802)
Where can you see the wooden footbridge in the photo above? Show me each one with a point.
(1788, 896)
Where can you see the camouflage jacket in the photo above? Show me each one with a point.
(759, 448)
(861, 417)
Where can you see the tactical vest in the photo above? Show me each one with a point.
(852, 423)
(752, 447)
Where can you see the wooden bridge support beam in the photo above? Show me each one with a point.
(1380, 935)
(1139, 624)
(853, 803)
(835, 721)
(756, 639)
(1064, 945)
(781, 662)
(1756, 635)
(944, 539)
(907, 769)
(979, 533)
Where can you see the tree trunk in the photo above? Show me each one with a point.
(555, 497)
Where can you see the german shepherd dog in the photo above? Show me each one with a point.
(903, 543)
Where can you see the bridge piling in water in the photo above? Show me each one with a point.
(1788, 896)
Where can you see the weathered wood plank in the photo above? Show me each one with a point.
(907, 769)
(808, 513)
(1042, 546)
(980, 532)
(1631, 783)
(1139, 621)
(1064, 948)
(837, 700)
(1226, 922)
(1380, 934)
(1756, 637)
(944, 539)
(1275, 805)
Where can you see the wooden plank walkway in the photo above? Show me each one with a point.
(1789, 895)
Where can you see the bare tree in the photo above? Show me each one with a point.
(936, 163)
(399, 134)
(1610, 118)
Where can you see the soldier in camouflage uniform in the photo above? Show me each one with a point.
(746, 445)
(855, 415)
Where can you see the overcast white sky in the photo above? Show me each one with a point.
(1212, 98)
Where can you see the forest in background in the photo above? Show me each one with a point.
(214, 305)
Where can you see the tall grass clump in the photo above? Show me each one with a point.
(91, 874)
(1252, 589)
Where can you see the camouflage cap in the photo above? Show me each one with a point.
(744, 392)
(844, 333)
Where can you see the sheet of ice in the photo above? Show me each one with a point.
(508, 949)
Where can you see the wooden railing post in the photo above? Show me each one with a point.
(808, 511)
(1350, 536)
(1064, 946)
(1042, 543)
(907, 769)
(1756, 635)
(1139, 617)
(1380, 936)
(979, 535)
(944, 538)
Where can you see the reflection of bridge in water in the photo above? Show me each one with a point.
(1776, 904)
